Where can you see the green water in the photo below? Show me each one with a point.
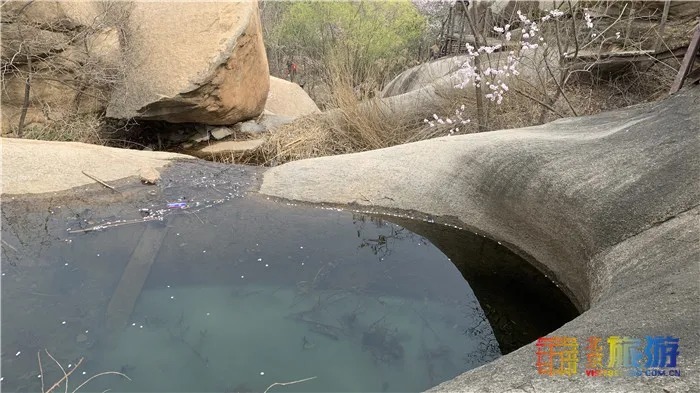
(210, 339)
(237, 292)
(240, 295)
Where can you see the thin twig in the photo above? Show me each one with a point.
(41, 370)
(608, 28)
(518, 91)
(100, 181)
(101, 227)
(195, 214)
(560, 88)
(65, 375)
(9, 245)
(575, 33)
(662, 26)
(100, 374)
(287, 383)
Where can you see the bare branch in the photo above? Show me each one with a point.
(41, 370)
(287, 383)
(98, 375)
(522, 93)
(65, 375)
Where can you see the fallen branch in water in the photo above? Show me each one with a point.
(65, 375)
(100, 181)
(99, 375)
(287, 383)
(64, 379)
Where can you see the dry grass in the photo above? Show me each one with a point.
(92, 128)
(352, 126)
(355, 125)
(78, 128)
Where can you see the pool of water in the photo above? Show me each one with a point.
(235, 293)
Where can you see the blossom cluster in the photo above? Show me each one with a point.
(455, 121)
(495, 79)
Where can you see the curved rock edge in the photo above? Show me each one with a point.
(609, 203)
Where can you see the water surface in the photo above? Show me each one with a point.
(235, 293)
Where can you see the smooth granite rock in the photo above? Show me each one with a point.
(607, 205)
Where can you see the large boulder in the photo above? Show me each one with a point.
(422, 75)
(289, 99)
(201, 62)
(63, 165)
(73, 47)
(606, 205)
(179, 62)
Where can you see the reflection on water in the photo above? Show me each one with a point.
(238, 296)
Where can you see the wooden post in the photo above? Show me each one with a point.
(688, 61)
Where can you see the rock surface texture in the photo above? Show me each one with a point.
(289, 99)
(200, 62)
(73, 48)
(62, 164)
(608, 205)
(421, 75)
(193, 62)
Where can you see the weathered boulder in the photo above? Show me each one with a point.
(62, 165)
(421, 75)
(266, 122)
(192, 62)
(222, 148)
(179, 62)
(289, 99)
(606, 205)
(74, 49)
(220, 132)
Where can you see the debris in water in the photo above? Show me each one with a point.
(382, 343)
(306, 344)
